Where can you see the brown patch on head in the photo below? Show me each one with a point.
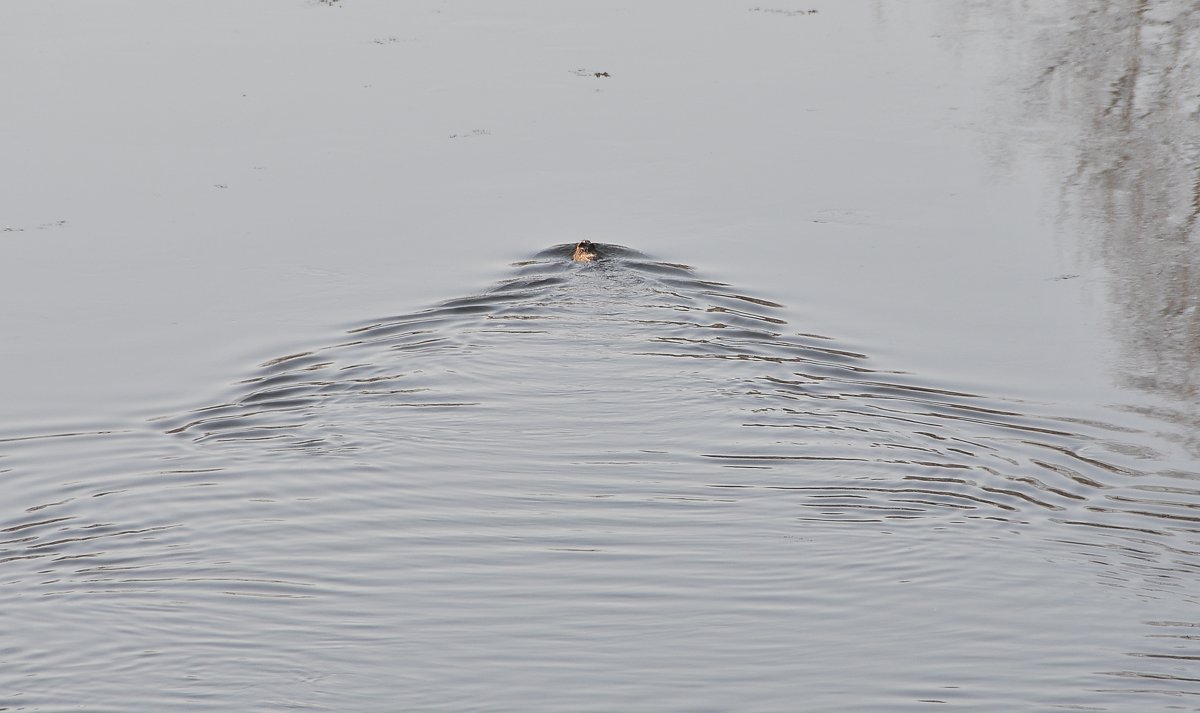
(585, 251)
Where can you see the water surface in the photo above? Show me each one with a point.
(613, 485)
(918, 431)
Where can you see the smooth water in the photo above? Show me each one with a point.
(590, 487)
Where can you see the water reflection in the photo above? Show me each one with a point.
(1119, 83)
(582, 471)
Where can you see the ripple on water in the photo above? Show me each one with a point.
(617, 478)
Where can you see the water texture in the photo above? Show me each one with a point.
(593, 487)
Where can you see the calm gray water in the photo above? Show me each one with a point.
(616, 486)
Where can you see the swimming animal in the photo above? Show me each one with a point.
(585, 251)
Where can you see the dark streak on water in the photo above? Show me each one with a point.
(596, 487)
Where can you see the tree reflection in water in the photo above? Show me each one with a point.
(1119, 83)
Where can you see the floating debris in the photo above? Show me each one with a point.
(781, 11)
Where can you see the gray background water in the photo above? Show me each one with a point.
(917, 430)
